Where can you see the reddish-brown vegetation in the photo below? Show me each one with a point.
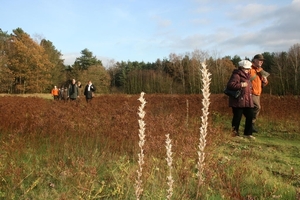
(114, 118)
(110, 123)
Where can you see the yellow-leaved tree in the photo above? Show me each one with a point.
(29, 64)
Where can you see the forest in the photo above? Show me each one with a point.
(33, 65)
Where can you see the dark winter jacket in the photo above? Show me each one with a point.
(234, 83)
(87, 92)
(73, 91)
(65, 94)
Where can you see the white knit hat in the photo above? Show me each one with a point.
(246, 64)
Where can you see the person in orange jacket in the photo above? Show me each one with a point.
(55, 93)
(259, 79)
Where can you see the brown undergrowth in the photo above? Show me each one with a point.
(110, 122)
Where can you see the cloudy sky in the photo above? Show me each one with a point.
(145, 30)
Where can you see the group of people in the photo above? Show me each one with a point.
(250, 78)
(59, 93)
(72, 92)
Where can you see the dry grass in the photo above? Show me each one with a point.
(40, 95)
(57, 150)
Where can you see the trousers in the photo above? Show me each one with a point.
(237, 116)
(257, 107)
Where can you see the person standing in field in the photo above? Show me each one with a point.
(65, 95)
(79, 88)
(55, 93)
(73, 90)
(60, 94)
(243, 105)
(259, 79)
(89, 91)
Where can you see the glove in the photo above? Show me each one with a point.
(244, 84)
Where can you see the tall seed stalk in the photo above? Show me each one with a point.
(169, 159)
(204, 123)
(142, 124)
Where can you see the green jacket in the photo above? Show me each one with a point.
(73, 91)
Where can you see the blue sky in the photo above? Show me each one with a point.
(147, 30)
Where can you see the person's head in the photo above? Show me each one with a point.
(73, 81)
(245, 65)
(55, 86)
(258, 60)
(89, 82)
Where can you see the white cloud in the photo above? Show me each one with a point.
(69, 58)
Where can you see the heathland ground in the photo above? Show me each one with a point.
(74, 150)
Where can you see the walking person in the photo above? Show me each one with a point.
(89, 91)
(259, 79)
(55, 93)
(65, 95)
(243, 105)
(61, 92)
(79, 88)
(73, 90)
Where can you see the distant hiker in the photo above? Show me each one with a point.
(65, 94)
(60, 93)
(54, 93)
(73, 90)
(79, 88)
(89, 91)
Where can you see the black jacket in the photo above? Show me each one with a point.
(89, 93)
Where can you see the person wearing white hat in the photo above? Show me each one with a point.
(243, 105)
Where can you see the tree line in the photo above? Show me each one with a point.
(30, 65)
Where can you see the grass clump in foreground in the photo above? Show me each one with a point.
(54, 150)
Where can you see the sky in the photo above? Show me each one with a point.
(147, 30)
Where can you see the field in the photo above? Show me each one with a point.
(74, 150)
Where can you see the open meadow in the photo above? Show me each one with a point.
(74, 150)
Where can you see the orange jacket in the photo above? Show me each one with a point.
(256, 79)
(54, 92)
